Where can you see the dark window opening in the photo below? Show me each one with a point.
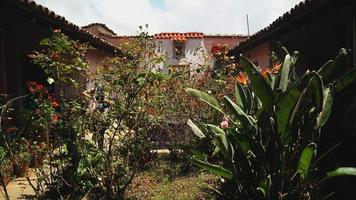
(178, 49)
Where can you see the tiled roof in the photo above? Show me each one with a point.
(100, 24)
(282, 20)
(225, 36)
(178, 36)
(60, 22)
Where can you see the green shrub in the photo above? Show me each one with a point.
(267, 144)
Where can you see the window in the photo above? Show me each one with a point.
(178, 49)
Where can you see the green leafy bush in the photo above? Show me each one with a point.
(266, 145)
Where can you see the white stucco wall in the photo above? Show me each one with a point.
(197, 51)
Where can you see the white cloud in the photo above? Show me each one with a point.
(208, 16)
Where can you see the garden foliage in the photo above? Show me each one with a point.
(266, 146)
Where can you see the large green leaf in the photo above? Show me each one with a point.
(311, 96)
(220, 138)
(240, 96)
(259, 84)
(305, 161)
(264, 185)
(243, 142)
(345, 80)
(196, 130)
(317, 88)
(203, 96)
(342, 171)
(239, 113)
(214, 169)
(285, 109)
(283, 83)
(327, 105)
(329, 69)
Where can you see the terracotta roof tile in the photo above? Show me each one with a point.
(178, 36)
(225, 36)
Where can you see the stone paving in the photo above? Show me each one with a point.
(19, 188)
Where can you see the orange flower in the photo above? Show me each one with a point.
(265, 72)
(276, 68)
(242, 78)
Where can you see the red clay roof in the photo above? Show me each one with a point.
(193, 35)
(178, 36)
(225, 36)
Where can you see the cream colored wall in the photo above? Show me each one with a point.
(95, 58)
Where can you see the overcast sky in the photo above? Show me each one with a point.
(208, 16)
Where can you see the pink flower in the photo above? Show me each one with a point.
(225, 123)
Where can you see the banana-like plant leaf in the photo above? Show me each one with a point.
(240, 96)
(220, 138)
(196, 130)
(203, 96)
(214, 169)
(259, 84)
(239, 113)
(283, 83)
(327, 104)
(243, 142)
(264, 185)
(314, 91)
(305, 161)
(342, 171)
(329, 68)
(317, 85)
(345, 80)
(285, 109)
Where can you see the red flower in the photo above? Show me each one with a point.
(55, 104)
(215, 49)
(39, 87)
(55, 118)
(30, 86)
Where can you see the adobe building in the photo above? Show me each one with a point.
(181, 49)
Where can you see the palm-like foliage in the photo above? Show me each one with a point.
(269, 149)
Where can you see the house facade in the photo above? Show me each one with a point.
(192, 48)
(181, 49)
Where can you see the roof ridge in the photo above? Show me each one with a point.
(60, 21)
(101, 24)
